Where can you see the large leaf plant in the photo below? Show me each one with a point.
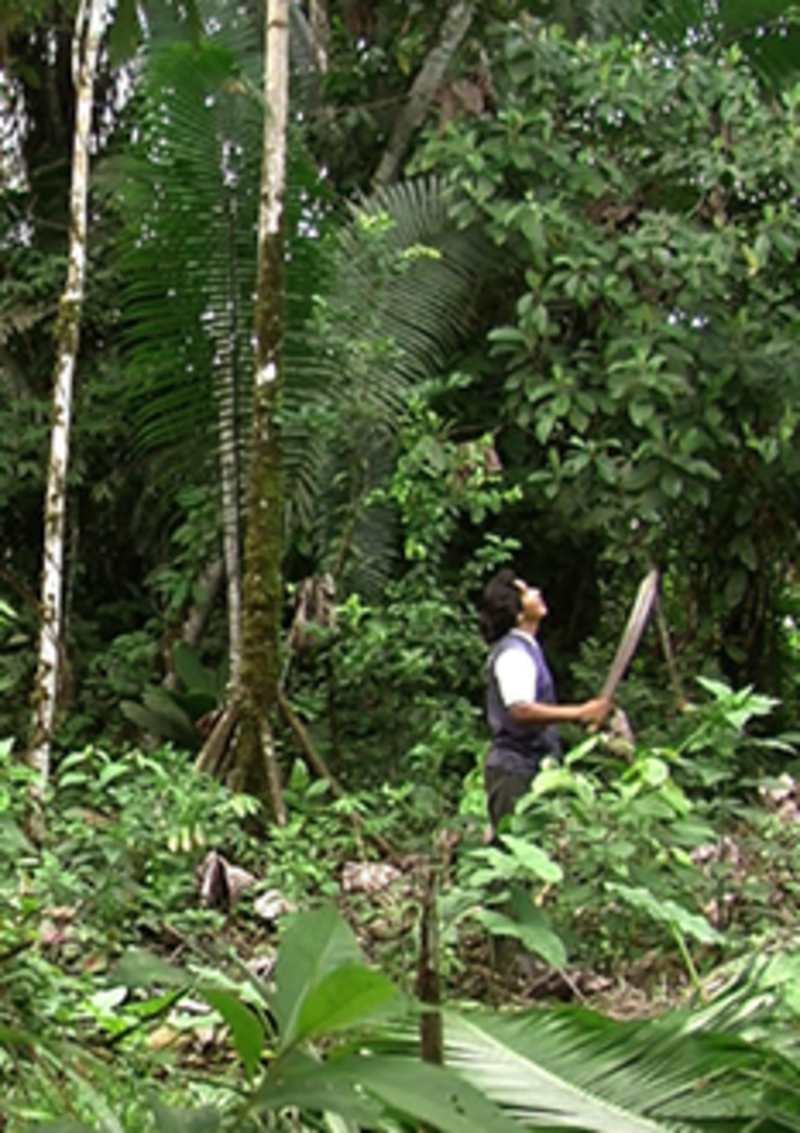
(328, 1042)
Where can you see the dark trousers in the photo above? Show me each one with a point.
(503, 790)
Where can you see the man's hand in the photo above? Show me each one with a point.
(594, 712)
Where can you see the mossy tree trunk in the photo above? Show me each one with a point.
(89, 26)
(255, 764)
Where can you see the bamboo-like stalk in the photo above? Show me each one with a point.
(89, 27)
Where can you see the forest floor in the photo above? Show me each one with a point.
(382, 906)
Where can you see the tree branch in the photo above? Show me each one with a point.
(454, 28)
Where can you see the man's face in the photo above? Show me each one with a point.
(534, 607)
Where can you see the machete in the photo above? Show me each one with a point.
(640, 612)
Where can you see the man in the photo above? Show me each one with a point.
(521, 703)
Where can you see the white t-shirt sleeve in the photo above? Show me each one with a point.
(516, 677)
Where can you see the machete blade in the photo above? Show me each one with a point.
(637, 620)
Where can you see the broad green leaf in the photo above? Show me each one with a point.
(196, 676)
(671, 484)
(315, 944)
(507, 336)
(640, 412)
(433, 1095)
(364, 1088)
(124, 33)
(246, 1027)
(334, 1123)
(650, 770)
(64, 1125)
(556, 780)
(111, 772)
(12, 1036)
(158, 723)
(499, 866)
(667, 912)
(7, 612)
(537, 938)
(12, 838)
(303, 1080)
(138, 968)
(533, 858)
(347, 997)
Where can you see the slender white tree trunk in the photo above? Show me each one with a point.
(321, 30)
(89, 25)
(273, 171)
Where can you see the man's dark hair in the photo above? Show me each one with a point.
(500, 606)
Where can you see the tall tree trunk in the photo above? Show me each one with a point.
(454, 27)
(229, 481)
(320, 27)
(227, 361)
(255, 758)
(89, 26)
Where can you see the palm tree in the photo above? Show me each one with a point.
(391, 304)
(188, 194)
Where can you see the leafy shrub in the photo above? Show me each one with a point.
(605, 860)
(128, 834)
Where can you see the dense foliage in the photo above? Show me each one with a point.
(644, 348)
(565, 340)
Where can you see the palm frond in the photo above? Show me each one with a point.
(401, 298)
(606, 1075)
(187, 260)
(396, 305)
(574, 1068)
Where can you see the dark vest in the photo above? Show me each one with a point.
(520, 748)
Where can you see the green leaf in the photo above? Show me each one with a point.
(124, 34)
(246, 1028)
(138, 968)
(507, 336)
(161, 716)
(364, 1088)
(196, 676)
(304, 1080)
(315, 944)
(168, 1120)
(667, 912)
(12, 838)
(7, 612)
(109, 773)
(640, 412)
(533, 858)
(537, 938)
(671, 484)
(432, 1094)
(524, 1062)
(64, 1125)
(347, 997)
